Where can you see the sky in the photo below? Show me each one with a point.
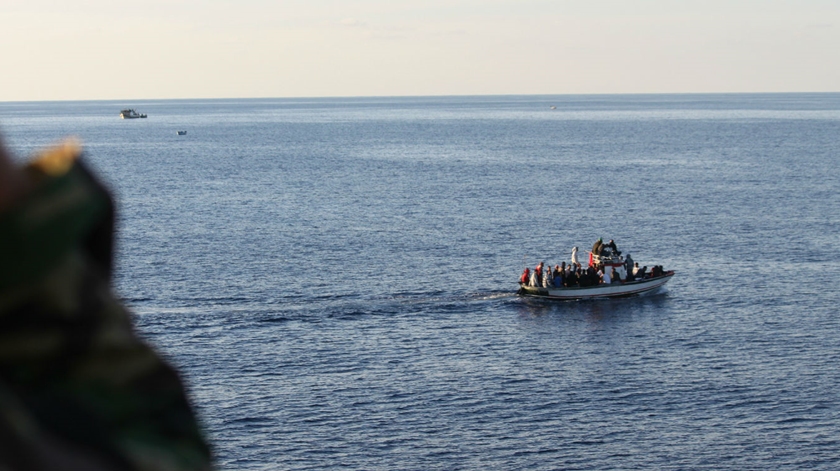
(164, 49)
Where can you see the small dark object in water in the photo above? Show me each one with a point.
(181, 133)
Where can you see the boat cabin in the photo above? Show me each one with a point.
(609, 260)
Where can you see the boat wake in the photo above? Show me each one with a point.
(439, 296)
(491, 296)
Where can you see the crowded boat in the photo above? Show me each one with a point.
(607, 274)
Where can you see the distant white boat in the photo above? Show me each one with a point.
(130, 113)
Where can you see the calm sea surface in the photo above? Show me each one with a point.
(335, 278)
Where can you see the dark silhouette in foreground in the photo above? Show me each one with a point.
(78, 389)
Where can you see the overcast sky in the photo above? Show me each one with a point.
(149, 49)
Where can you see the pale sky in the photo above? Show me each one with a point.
(158, 49)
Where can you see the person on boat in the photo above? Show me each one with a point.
(585, 279)
(526, 276)
(643, 274)
(558, 275)
(614, 277)
(533, 280)
(574, 279)
(596, 247)
(547, 279)
(604, 276)
(591, 275)
(656, 271)
(539, 271)
(612, 247)
(628, 263)
(636, 269)
(574, 256)
(630, 276)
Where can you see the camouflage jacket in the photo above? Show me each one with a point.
(78, 389)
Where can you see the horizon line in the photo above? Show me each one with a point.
(422, 96)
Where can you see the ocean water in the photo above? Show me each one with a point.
(335, 278)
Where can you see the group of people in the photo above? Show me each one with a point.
(575, 275)
(565, 276)
(642, 273)
(600, 248)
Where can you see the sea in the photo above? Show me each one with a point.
(335, 278)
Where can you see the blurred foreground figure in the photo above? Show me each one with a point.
(78, 389)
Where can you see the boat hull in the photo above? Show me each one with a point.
(613, 290)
